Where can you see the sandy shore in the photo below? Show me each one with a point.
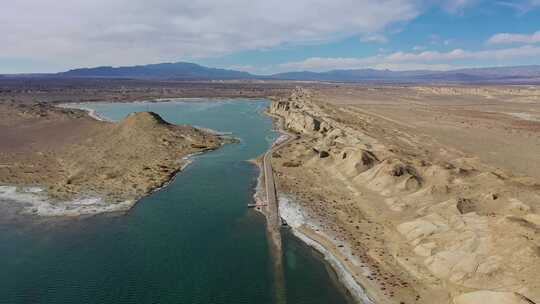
(306, 229)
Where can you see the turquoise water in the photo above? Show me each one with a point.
(193, 242)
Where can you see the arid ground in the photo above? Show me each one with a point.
(429, 194)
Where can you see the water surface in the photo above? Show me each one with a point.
(193, 242)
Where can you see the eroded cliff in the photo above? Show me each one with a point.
(415, 221)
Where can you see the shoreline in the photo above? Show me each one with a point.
(356, 290)
(90, 112)
(34, 201)
(37, 203)
(305, 228)
(163, 100)
(85, 205)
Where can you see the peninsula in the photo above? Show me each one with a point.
(63, 162)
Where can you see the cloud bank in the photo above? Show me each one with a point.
(117, 32)
(505, 38)
(430, 60)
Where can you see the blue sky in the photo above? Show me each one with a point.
(262, 37)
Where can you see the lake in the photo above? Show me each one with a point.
(194, 241)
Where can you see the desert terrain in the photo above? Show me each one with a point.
(61, 162)
(66, 90)
(423, 194)
(426, 194)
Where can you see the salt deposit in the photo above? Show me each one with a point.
(34, 200)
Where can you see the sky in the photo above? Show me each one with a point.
(266, 37)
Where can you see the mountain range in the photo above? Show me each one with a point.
(179, 70)
(512, 73)
(191, 71)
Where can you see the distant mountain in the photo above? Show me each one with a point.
(515, 73)
(179, 70)
(351, 75)
(191, 71)
(512, 73)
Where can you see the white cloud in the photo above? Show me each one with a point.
(379, 38)
(414, 66)
(505, 38)
(458, 5)
(248, 68)
(521, 6)
(418, 60)
(80, 32)
(375, 62)
(327, 63)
